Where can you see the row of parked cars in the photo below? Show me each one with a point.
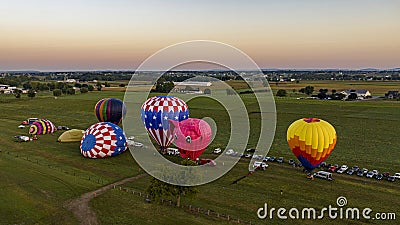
(333, 168)
(361, 172)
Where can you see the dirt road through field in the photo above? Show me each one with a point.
(80, 206)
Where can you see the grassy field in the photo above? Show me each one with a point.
(37, 178)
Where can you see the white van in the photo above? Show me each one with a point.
(172, 151)
(324, 175)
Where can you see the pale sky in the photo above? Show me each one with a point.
(120, 34)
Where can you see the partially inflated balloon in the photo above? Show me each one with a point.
(103, 140)
(156, 112)
(42, 126)
(191, 136)
(110, 110)
(311, 140)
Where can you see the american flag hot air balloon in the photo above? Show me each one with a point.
(156, 113)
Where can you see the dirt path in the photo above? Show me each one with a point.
(80, 206)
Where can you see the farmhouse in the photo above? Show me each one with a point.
(358, 94)
(191, 86)
(6, 89)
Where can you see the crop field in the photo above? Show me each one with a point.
(39, 178)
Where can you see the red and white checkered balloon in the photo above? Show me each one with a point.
(103, 140)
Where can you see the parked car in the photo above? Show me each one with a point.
(397, 175)
(336, 165)
(259, 157)
(375, 172)
(208, 162)
(247, 156)
(291, 162)
(251, 150)
(172, 151)
(386, 174)
(323, 164)
(332, 169)
(261, 165)
(360, 173)
(350, 171)
(266, 158)
(280, 160)
(391, 178)
(235, 154)
(370, 174)
(217, 151)
(299, 164)
(324, 175)
(229, 152)
(355, 168)
(272, 158)
(342, 169)
(364, 170)
(379, 176)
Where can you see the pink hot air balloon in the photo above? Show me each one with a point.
(191, 136)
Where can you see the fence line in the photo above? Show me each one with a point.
(190, 208)
(93, 179)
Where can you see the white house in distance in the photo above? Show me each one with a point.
(191, 86)
(361, 94)
(6, 89)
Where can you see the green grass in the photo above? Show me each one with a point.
(36, 184)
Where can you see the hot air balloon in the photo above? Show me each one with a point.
(103, 140)
(156, 112)
(110, 110)
(191, 136)
(311, 140)
(42, 126)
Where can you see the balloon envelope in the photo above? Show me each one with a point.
(311, 140)
(42, 126)
(110, 110)
(156, 113)
(103, 140)
(191, 136)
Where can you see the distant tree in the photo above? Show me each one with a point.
(51, 86)
(281, 93)
(106, 84)
(333, 91)
(17, 93)
(78, 85)
(164, 86)
(207, 91)
(57, 92)
(84, 90)
(31, 93)
(90, 87)
(308, 90)
(26, 86)
(70, 91)
(98, 85)
(122, 85)
(34, 85)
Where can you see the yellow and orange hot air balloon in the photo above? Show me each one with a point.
(311, 140)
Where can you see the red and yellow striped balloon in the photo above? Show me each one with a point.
(311, 140)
